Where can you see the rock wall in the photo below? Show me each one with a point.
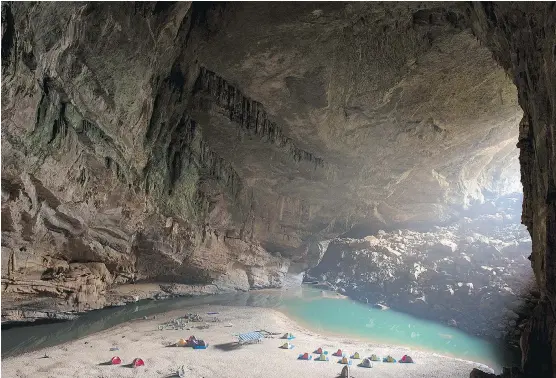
(215, 143)
(523, 38)
(106, 178)
(132, 152)
(455, 274)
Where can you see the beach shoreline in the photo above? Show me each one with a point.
(381, 342)
(86, 357)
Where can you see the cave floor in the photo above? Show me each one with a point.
(87, 357)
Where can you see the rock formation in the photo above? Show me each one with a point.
(522, 38)
(218, 144)
(455, 274)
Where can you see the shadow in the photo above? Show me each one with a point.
(105, 363)
(228, 347)
(130, 365)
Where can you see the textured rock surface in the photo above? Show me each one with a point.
(523, 40)
(106, 179)
(454, 274)
(217, 144)
(149, 152)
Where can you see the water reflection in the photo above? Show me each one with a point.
(17, 340)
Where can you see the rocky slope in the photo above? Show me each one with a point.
(217, 144)
(455, 274)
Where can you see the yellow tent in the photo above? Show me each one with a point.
(356, 356)
(344, 360)
(285, 346)
(182, 343)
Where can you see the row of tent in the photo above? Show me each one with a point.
(136, 362)
(367, 362)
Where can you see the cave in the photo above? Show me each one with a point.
(386, 151)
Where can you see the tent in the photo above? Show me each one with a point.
(181, 343)
(338, 353)
(191, 341)
(406, 360)
(200, 344)
(322, 357)
(374, 357)
(356, 356)
(286, 346)
(318, 351)
(304, 356)
(116, 360)
(138, 362)
(366, 363)
(344, 361)
(389, 359)
(288, 336)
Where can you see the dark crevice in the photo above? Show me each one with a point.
(162, 6)
(489, 11)
(8, 35)
(176, 80)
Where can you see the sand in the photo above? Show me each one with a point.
(223, 358)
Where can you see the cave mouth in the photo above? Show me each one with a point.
(466, 265)
(242, 146)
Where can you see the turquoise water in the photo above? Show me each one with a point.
(314, 309)
(346, 317)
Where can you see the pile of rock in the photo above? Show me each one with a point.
(473, 273)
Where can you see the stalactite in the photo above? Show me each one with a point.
(251, 116)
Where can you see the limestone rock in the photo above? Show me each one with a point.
(439, 275)
(276, 125)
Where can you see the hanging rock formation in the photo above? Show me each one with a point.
(218, 144)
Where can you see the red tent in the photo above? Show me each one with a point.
(116, 360)
(406, 359)
(338, 353)
(138, 362)
(319, 351)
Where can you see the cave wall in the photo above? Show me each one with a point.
(522, 37)
(133, 148)
(106, 177)
(133, 151)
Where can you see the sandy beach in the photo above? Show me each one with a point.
(86, 357)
